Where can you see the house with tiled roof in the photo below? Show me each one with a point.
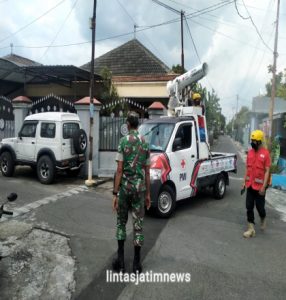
(20, 61)
(137, 73)
(22, 76)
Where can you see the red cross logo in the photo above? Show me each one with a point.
(183, 163)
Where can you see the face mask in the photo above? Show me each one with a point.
(254, 145)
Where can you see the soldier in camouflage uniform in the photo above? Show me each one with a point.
(133, 178)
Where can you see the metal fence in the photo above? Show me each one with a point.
(111, 129)
(7, 130)
(7, 124)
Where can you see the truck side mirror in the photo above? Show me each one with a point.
(177, 145)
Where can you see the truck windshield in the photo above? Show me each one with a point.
(157, 135)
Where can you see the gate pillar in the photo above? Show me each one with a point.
(21, 107)
(83, 110)
(156, 110)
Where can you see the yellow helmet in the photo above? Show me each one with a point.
(257, 135)
(196, 96)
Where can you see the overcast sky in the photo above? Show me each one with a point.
(236, 55)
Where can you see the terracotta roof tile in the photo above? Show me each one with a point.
(156, 105)
(86, 101)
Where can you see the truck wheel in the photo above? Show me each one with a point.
(166, 202)
(219, 187)
(45, 170)
(7, 164)
(80, 141)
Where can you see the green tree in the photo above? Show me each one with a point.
(280, 82)
(281, 92)
(109, 94)
(178, 69)
(215, 119)
(241, 119)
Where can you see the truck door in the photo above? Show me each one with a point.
(183, 158)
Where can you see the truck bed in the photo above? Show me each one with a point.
(219, 162)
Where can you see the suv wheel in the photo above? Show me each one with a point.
(7, 164)
(80, 141)
(45, 170)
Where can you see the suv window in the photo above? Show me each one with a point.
(48, 130)
(29, 129)
(185, 133)
(69, 129)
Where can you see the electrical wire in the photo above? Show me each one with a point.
(236, 8)
(60, 29)
(254, 52)
(32, 22)
(225, 22)
(135, 26)
(252, 22)
(202, 11)
(193, 42)
(143, 28)
(225, 35)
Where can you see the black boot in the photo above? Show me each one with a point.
(118, 263)
(137, 267)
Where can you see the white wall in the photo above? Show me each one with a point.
(107, 164)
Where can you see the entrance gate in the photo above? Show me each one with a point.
(7, 125)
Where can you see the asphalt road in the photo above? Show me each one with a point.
(203, 237)
(29, 189)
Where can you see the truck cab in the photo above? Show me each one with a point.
(181, 161)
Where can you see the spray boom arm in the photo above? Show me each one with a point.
(176, 86)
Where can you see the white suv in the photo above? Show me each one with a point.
(47, 142)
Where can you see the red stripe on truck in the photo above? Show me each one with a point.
(194, 178)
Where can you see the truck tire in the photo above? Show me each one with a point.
(166, 202)
(7, 164)
(79, 141)
(45, 170)
(219, 187)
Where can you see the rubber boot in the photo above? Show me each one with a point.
(263, 224)
(250, 232)
(137, 267)
(118, 263)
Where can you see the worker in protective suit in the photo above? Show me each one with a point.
(197, 99)
(256, 180)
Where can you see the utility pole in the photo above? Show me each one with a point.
(182, 14)
(182, 42)
(90, 181)
(135, 27)
(273, 89)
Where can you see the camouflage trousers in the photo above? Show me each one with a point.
(135, 203)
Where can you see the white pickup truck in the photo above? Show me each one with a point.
(181, 162)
